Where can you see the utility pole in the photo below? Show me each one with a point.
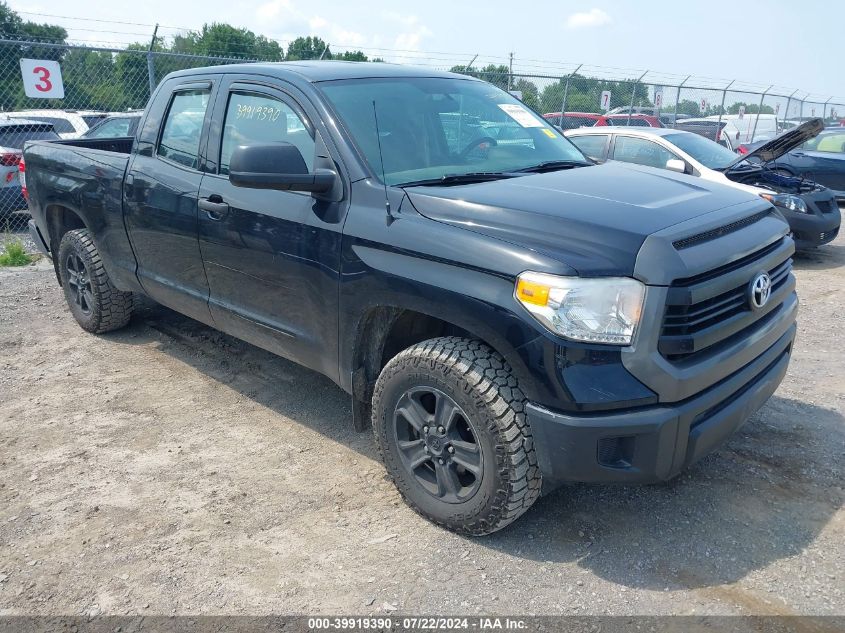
(151, 71)
(510, 72)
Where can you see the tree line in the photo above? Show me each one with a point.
(102, 80)
(116, 81)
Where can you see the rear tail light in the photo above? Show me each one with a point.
(742, 150)
(9, 159)
(22, 178)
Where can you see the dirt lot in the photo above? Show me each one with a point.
(168, 468)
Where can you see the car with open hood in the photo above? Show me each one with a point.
(821, 159)
(810, 208)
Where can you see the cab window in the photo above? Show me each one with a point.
(180, 138)
(640, 151)
(253, 118)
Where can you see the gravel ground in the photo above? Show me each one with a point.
(168, 468)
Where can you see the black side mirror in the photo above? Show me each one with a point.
(276, 166)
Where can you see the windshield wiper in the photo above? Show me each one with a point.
(460, 179)
(552, 165)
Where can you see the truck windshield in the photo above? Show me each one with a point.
(708, 153)
(430, 128)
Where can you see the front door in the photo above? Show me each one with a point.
(271, 259)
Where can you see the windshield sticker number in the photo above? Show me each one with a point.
(520, 115)
(258, 113)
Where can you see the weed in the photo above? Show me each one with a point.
(14, 254)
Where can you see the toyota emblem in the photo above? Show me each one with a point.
(760, 290)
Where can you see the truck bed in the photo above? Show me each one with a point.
(84, 176)
(117, 145)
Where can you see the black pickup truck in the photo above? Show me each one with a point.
(507, 315)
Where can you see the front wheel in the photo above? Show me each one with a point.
(93, 300)
(450, 425)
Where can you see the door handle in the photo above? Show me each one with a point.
(214, 207)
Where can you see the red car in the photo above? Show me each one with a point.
(572, 120)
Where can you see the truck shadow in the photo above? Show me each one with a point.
(763, 497)
(266, 379)
(822, 258)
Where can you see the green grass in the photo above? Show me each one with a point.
(14, 254)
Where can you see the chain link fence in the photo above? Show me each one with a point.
(52, 90)
(87, 91)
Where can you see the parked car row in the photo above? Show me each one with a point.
(810, 207)
(14, 133)
(16, 128)
(572, 120)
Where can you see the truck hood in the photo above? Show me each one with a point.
(782, 143)
(594, 219)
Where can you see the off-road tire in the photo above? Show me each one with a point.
(481, 382)
(110, 308)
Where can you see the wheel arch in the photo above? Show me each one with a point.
(60, 219)
(384, 331)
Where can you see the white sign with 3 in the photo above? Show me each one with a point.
(42, 78)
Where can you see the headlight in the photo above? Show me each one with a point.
(605, 310)
(786, 201)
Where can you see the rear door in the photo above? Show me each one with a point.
(272, 257)
(160, 197)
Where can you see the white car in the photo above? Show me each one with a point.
(809, 208)
(66, 123)
(14, 133)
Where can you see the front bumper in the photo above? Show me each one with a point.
(655, 443)
(813, 230)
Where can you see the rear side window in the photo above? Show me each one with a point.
(253, 118)
(592, 145)
(180, 138)
(113, 128)
(14, 137)
(640, 151)
(61, 126)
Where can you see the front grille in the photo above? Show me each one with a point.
(826, 236)
(713, 307)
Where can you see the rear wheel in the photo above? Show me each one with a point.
(93, 300)
(450, 425)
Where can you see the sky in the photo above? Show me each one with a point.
(796, 45)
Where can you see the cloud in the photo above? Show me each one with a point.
(317, 22)
(587, 19)
(299, 23)
(274, 8)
